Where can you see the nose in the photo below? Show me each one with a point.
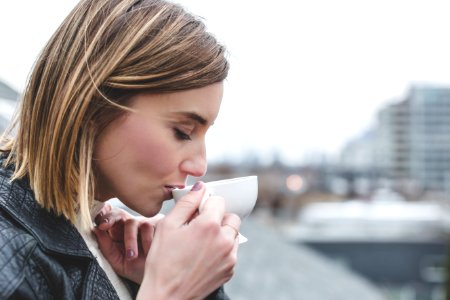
(195, 165)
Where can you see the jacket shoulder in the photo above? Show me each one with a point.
(15, 250)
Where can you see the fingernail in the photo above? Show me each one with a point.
(197, 186)
(130, 253)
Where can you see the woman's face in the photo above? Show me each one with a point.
(142, 156)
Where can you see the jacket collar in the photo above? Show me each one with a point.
(54, 233)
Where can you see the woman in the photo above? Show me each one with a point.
(117, 105)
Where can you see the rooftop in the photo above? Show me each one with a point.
(271, 268)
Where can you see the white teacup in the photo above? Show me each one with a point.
(240, 195)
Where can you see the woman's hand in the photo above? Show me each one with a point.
(191, 255)
(125, 240)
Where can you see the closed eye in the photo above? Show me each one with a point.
(180, 135)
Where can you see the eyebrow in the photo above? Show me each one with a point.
(194, 117)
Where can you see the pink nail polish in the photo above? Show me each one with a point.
(197, 186)
(130, 253)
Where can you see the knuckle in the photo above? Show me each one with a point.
(229, 265)
(130, 222)
(211, 227)
(225, 245)
(228, 274)
(107, 207)
(234, 218)
(187, 202)
(146, 225)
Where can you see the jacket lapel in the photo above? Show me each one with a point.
(54, 233)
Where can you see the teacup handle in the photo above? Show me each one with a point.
(242, 239)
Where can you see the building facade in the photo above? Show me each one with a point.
(413, 138)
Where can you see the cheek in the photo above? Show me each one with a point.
(153, 156)
(151, 148)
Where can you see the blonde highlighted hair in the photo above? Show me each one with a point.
(104, 52)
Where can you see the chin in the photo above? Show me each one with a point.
(149, 211)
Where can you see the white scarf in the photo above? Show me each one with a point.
(91, 242)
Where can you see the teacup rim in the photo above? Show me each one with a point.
(222, 181)
(230, 180)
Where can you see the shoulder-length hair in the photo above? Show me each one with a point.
(104, 52)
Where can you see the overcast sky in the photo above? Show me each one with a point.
(305, 76)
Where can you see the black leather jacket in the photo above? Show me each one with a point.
(42, 256)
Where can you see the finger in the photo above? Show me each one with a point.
(117, 231)
(231, 224)
(155, 219)
(213, 209)
(113, 216)
(130, 237)
(146, 232)
(106, 245)
(186, 206)
(101, 217)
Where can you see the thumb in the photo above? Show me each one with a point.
(187, 206)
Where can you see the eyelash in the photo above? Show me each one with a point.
(181, 135)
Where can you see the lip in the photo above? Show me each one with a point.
(169, 188)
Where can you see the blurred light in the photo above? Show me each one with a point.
(294, 182)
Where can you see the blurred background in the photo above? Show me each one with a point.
(342, 109)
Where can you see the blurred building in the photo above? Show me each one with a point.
(411, 142)
(429, 133)
(359, 153)
(393, 145)
(414, 137)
